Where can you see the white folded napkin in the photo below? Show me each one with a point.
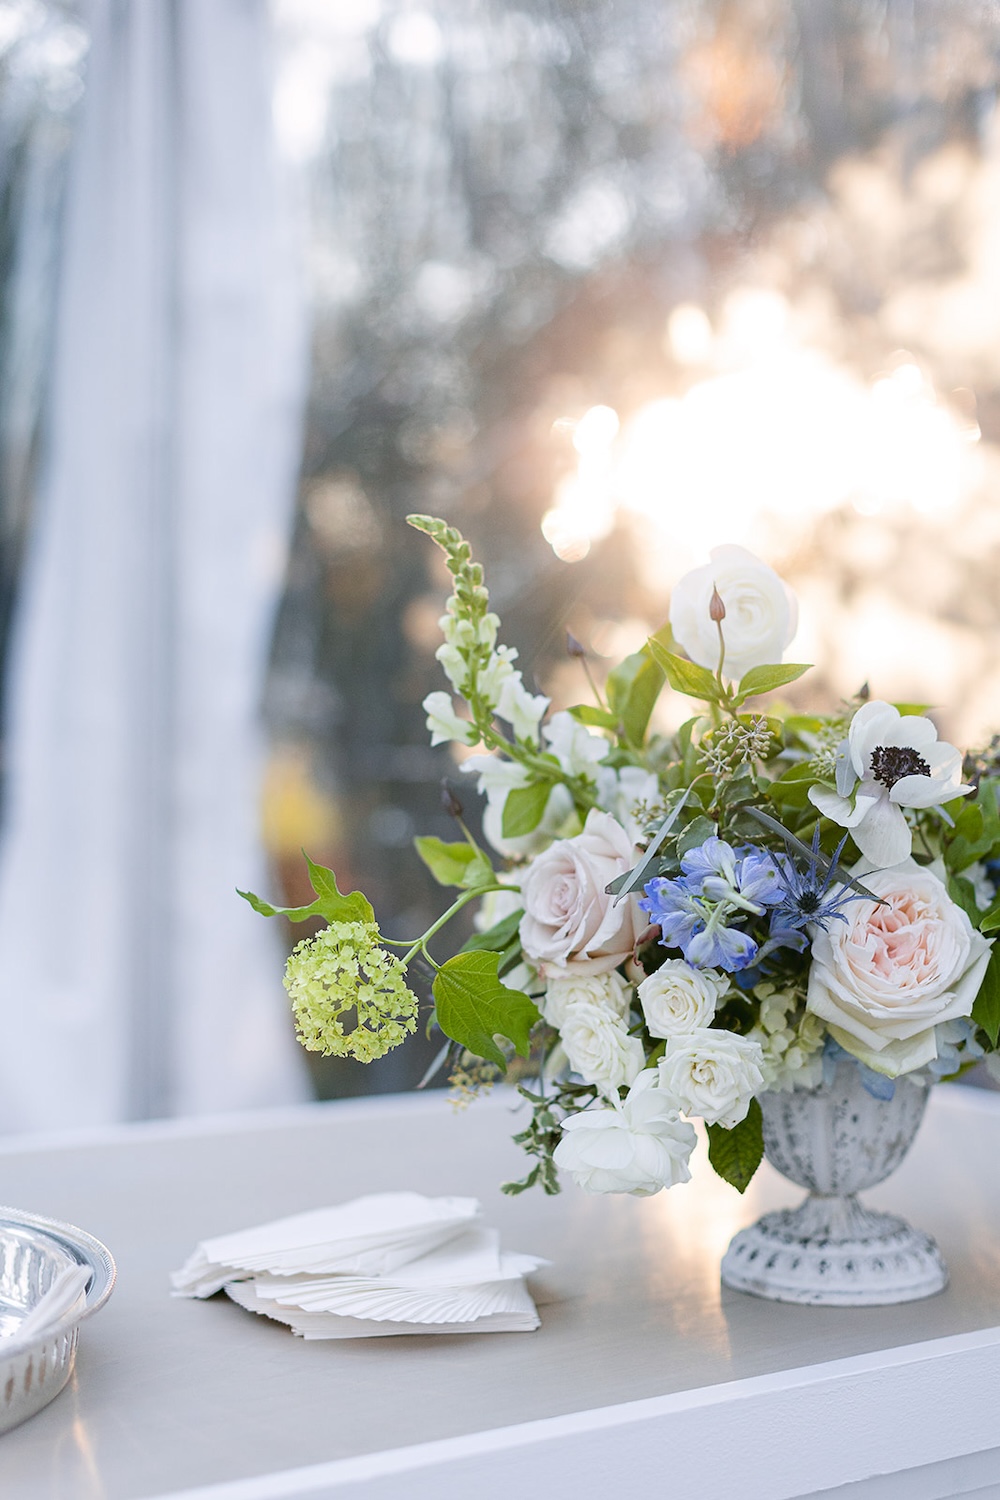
(365, 1237)
(391, 1263)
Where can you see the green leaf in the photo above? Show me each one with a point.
(766, 679)
(354, 907)
(473, 1007)
(990, 918)
(597, 718)
(293, 913)
(496, 938)
(736, 1154)
(963, 894)
(908, 710)
(460, 864)
(524, 809)
(695, 834)
(977, 828)
(329, 904)
(986, 1010)
(632, 879)
(633, 688)
(686, 676)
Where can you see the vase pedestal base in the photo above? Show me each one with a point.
(834, 1252)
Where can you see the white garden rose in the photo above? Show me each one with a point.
(713, 1074)
(570, 922)
(566, 991)
(885, 977)
(678, 999)
(761, 612)
(599, 1048)
(638, 1146)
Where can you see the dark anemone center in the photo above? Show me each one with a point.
(890, 763)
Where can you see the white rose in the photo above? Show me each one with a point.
(570, 921)
(885, 977)
(638, 1146)
(562, 993)
(714, 1074)
(599, 1048)
(678, 999)
(761, 612)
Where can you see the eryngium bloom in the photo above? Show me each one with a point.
(342, 970)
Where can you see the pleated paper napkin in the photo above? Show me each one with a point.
(390, 1263)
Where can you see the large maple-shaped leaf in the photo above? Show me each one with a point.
(473, 1007)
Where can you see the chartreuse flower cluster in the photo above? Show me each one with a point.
(671, 924)
(341, 972)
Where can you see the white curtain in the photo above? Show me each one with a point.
(133, 981)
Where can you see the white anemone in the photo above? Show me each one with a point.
(891, 761)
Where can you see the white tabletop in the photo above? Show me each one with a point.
(642, 1359)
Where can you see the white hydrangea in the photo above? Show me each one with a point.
(792, 1049)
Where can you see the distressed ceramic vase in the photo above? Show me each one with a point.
(832, 1251)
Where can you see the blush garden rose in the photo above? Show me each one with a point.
(887, 975)
(570, 921)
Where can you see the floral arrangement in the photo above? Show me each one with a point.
(672, 923)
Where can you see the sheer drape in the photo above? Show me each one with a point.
(133, 981)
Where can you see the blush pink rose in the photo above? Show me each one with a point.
(570, 923)
(884, 978)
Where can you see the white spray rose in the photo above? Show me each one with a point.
(761, 612)
(639, 1146)
(885, 977)
(713, 1074)
(599, 1048)
(678, 999)
(570, 921)
(562, 993)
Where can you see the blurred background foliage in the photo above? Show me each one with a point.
(605, 285)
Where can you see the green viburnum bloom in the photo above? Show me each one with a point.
(340, 970)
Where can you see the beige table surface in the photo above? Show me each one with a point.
(172, 1394)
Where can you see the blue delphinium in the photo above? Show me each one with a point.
(719, 887)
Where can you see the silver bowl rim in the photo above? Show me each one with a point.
(84, 1248)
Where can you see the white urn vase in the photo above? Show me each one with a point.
(832, 1251)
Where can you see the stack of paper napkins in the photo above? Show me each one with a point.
(387, 1263)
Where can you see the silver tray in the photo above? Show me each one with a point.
(33, 1252)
